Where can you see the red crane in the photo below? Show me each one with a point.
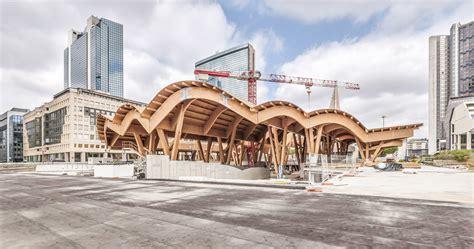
(252, 76)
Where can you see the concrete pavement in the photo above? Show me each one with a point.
(44, 211)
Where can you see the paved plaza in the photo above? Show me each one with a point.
(46, 211)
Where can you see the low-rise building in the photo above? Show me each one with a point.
(417, 147)
(11, 135)
(461, 124)
(65, 128)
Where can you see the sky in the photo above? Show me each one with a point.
(381, 45)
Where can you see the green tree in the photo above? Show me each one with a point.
(390, 150)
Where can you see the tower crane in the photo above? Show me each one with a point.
(252, 76)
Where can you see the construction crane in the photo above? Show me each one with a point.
(252, 76)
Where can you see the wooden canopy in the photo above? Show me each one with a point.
(197, 111)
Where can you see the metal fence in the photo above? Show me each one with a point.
(320, 168)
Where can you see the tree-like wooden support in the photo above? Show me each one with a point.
(236, 132)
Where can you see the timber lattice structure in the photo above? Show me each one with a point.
(196, 116)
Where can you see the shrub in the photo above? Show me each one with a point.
(461, 155)
(458, 155)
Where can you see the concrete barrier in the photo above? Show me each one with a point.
(64, 167)
(125, 170)
(160, 167)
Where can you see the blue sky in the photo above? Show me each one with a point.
(297, 36)
(380, 44)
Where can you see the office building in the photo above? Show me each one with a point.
(11, 135)
(451, 81)
(93, 58)
(417, 147)
(438, 90)
(241, 58)
(461, 59)
(65, 128)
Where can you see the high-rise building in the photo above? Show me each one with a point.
(438, 89)
(451, 81)
(93, 58)
(240, 58)
(65, 128)
(461, 59)
(11, 135)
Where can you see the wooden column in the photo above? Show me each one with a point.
(367, 146)
(163, 141)
(139, 142)
(200, 151)
(151, 143)
(312, 147)
(284, 153)
(305, 149)
(361, 149)
(233, 131)
(297, 149)
(318, 139)
(261, 149)
(208, 149)
(376, 152)
(178, 131)
(242, 153)
(277, 145)
(272, 149)
(221, 150)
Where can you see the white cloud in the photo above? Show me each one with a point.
(147, 75)
(162, 41)
(391, 68)
(265, 42)
(180, 34)
(311, 11)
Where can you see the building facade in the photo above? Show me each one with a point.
(460, 123)
(461, 59)
(93, 58)
(11, 135)
(241, 58)
(417, 147)
(438, 90)
(65, 128)
(451, 80)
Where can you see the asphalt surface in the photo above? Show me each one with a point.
(41, 211)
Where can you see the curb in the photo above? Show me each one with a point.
(231, 183)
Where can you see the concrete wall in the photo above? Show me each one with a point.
(125, 170)
(64, 167)
(160, 167)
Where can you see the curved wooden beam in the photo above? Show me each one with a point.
(278, 114)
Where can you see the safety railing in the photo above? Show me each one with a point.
(319, 170)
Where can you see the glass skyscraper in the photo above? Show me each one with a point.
(241, 58)
(462, 59)
(94, 58)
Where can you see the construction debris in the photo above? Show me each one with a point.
(392, 166)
